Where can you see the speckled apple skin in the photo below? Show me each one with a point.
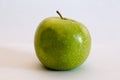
(62, 44)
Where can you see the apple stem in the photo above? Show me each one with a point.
(59, 14)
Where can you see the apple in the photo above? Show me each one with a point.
(62, 43)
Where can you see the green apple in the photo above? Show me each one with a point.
(61, 43)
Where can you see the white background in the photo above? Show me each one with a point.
(20, 18)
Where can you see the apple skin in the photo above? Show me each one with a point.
(62, 44)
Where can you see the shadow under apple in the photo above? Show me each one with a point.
(15, 58)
